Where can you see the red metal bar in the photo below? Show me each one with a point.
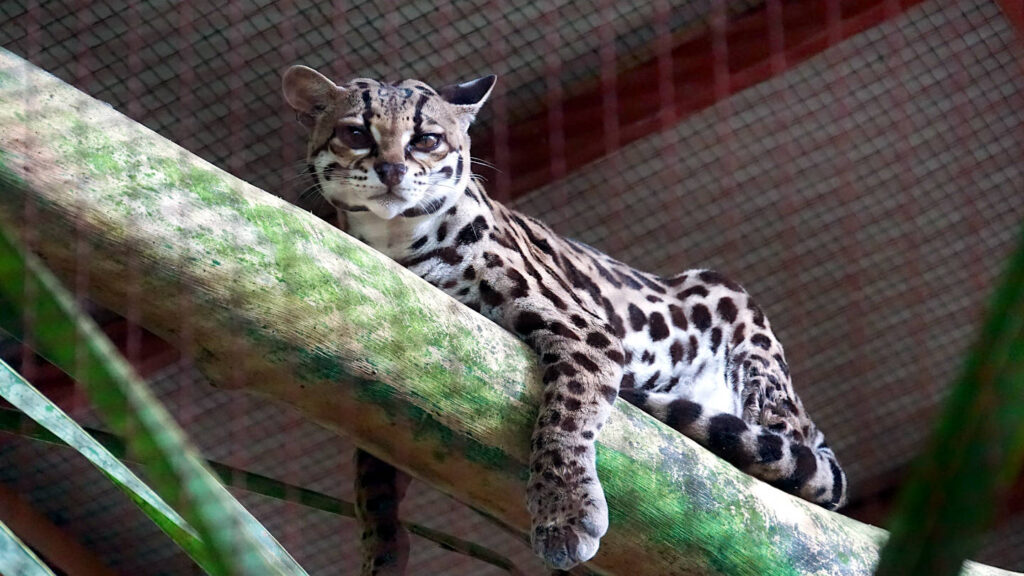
(149, 355)
(882, 493)
(1014, 12)
(639, 101)
(51, 542)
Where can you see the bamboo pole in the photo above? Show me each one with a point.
(271, 300)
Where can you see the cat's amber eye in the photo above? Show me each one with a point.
(426, 142)
(354, 137)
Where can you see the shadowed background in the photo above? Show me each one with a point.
(856, 165)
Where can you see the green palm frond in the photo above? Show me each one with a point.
(232, 541)
(976, 452)
(17, 559)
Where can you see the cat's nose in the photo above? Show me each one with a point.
(389, 173)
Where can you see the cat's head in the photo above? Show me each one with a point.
(394, 150)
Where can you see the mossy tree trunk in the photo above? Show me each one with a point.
(269, 299)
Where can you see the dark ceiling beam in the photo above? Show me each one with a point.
(701, 69)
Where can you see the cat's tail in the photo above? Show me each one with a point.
(808, 470)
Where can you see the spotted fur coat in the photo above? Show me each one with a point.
(693, 350)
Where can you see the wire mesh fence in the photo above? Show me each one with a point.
(856, 165)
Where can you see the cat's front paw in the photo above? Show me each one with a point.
(568, 522)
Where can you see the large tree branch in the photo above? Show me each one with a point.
(269, 299)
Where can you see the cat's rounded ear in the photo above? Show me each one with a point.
(468, 97)
(309, 93)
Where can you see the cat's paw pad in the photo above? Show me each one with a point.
(568, 531)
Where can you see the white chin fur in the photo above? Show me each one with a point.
(384, 207)
(388, 208)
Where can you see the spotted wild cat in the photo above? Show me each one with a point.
(693, 350)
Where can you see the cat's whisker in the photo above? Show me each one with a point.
(481, 162)
(312, 191)
(442, 186)
(296, 178)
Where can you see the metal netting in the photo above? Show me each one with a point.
(867, 196)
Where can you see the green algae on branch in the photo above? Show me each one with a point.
(278, 302)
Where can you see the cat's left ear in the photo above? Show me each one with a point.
(468, 97)
(310, 94)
